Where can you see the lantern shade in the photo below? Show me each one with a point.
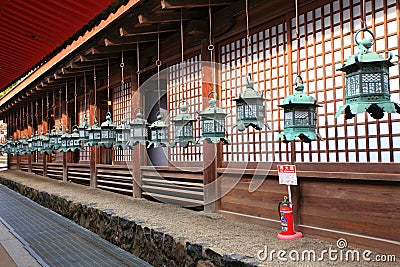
(55, 138)
(122, 135)
(212, 121)
(367, 82)
(138, 130)
(299, 117)
(94, 133)
(107, 132)
(159, 133)
(183, 126)
(250, 108)
(83, 130)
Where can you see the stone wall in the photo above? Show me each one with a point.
(151, 245)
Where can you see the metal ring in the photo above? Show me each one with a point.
(138, 108)
(390, 55)
(210, 47)
(183, 101)
(213, 92)
(298, 77)
(122, 64)
(364, 30)
(158, 62)
(138, 72)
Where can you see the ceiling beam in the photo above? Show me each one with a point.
(130, 40)
(146, 30)
(170, 17)
(176, 4)
(112, 49)
(99, 57)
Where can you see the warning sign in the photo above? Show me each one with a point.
(287, 174)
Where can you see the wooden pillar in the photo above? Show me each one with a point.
(66, 155)
(139, 151)
(210, 151)
(18, 136)
(44, 130)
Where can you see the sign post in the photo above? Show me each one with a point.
(287, 175)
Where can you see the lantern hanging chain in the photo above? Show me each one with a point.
(75, 107)
(363, 17)
(95, 90)
(32, 115)
(108, 80)
(85, 89)
(248, 41)
(37, 115)
(47, 107)
(42, 114)
(122, 65)
(66, 99)
(138, 64)
(211, 47)
(182, 56)
(60, 92)
(158, 63)
(297, 37)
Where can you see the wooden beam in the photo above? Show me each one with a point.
(145, 30)
(112, 49)
(170, 17)
(177, 4)
(130, 40)
(99, 57)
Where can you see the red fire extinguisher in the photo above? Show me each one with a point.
(286, 217)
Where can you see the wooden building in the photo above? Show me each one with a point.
(349, 183)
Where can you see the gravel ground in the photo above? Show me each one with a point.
(224, 236)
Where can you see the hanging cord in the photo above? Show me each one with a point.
(60, 92)
(122, 65)
(42, 114)
(158, 63)
(95, 91)
(47, 111)
(27, 117)
(363, 18)
(85, 89)
(75, 108)
(32, 117)
(182, 57)
(37, 115)
(108, 80)
(248, 41)
(211, 48)
(138, 64)
(297, 37)
(66, 104)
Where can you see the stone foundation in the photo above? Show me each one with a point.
(152, 245)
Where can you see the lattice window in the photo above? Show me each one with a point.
(122, 101)
(270, 76)
(326, 37)
(84, 154)
(191, 92)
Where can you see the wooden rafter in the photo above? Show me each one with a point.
(130, 40)
(176, 4)
(170, 17)
(146, 30)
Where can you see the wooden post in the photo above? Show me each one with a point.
(44, 130)
(139, 152)
(210, 151)
(93, 149)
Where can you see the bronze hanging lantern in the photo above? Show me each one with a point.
(367, 82)
(213, 123)
(159, 132)
(74, 140)
(94, 133)
(83, 130)
(250, 108)
(299, 116)
(64, 141)
(138, 129)
(107, 132)
(55, 138)
(183, 123)
(122, 135)
(47, 149)
(9, 145)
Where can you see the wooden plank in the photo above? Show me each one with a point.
(114, 183)
(174, 191)
(162, 181)
(114, 189)
(175, 200)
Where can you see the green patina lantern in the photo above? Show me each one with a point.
(122, 136)
(14, 148)
(367, 82)
(107, 132)
(47, 149)
(299, 116)
(64, 141)
(74, 140)
(19, 147)
(39, 142)
(138, 129)
(30, 149)
(83, 129)
(24, 146)
(55, 138)
(159, 132)
(94, 133)
(183, 126)
(250, 108)
(213, 123)
(9, 145)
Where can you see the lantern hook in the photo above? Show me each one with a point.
(215, 94)
(298, 77)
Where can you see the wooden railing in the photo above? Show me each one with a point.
(173, 185)
(78, 173)
(37, 168)
(55, 171)
(116, 178)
